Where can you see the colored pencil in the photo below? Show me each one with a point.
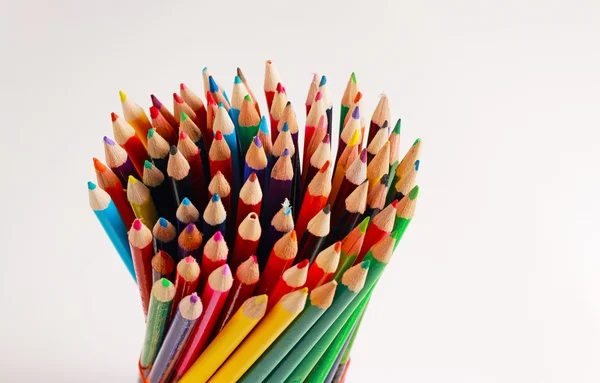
(165, 112)
(135, 116)
(316, 162)
(250, 199)
(126, 137)
(112, 223)
(162, 266)
(191, 153)
(245, 82)
(244, 283)
(343, 359)
(280, 185)
(351, 245)
(165, 236)
(391, 189)
(289, 117)
(162, 126)
(408, 160)
(313, 239)
(280, 259)
(158, 312)
(395, 143)
(224, 125)
(379, 166)
(347, 99)
(213, 298)
(264, 134)
(187, 276)
(198, 137)
(354, 208)
(347, 158)
(256, 162)
(158, 150)
(180, 106)
(246, 242)
(379, 139)
(140, 243)
(312, 91)
(285, 141)
(267, 331)
(186, 214)
(219, 157)
(218, 93)
(380, 115)
(312, 119)
(291, 279)
(237, 98)
(178, 170)
(160, 191)
(118, 161)
(357, 102)
(249, 122)
(211, 114)
(321, 299)
(406, 183)
(188, 312)
(377, 196)
(214, 217)
(381, 226)
(353, 125)
(278, 106)
(315, 197)
(282, 222)
(327, 102)
(110, 183)
(219, 185)
(141, 202)
(405, 212)
(197, 105)
(271, 80)
(354, 176)
(322, 269)
(351, 285)
(189, 242)
(237, 329)
(316, 140)
(214, 256)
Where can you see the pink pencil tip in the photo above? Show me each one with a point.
(137, 224)
(154, 112)
(318, 96)
(182, 135)
(218, 236)
(182, 86)
(363, 155)
(254, 260)
(114, 116)
(189, 259)
(177, 99)
(226, 270)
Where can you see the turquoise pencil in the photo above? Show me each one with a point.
(225, 124)
(111, 221)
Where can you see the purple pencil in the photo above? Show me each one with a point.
(256, 161)
(183, 323)
(280, 186)
(118, 161)
(189, 242)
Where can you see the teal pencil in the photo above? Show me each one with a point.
(111, 221)
(225, 124)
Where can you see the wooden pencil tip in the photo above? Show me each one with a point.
(99, 166)
(122, 95)
(114, 116)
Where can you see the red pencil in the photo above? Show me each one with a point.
(312, 91)
(380, 226)
(316, 111)
(219, 185)
(126, 137)
(110, 183)
(189, 242)
(186, 282)
(244, 284)
(166, 113)
(322, 269)
(380, 115)
(315, 198)
(198, 179)
(291, 279)
(211, 113)
(281, 258)
(276, 111)
(140, 242)
(271, 81)
(246, 241)
(213, 299)
(197, 105)
(377, 142)
(317, 139)
(214, 256)
(318, 158)
(220, 158)
(355, 175)
(250, 199)
(180, 106)
(162, 126)
(134, 114)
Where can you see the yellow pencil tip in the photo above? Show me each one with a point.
(132, 180)
(261, 299)
(304, 290)
(122, 95)
(354, 139)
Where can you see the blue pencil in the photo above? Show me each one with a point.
(280, 187)
(225, 124)
(111, 221)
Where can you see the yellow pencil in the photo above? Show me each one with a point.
(136, 117)
(141, 202)
(278, 319)
(240, 325)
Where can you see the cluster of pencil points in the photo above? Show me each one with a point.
(255, 259)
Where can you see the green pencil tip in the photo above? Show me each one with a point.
(365, 264)
(397, 127)
(165, 282)
(362, 227)
(151, 132)
(353, 77)
(414, 193)
(148, 164)
(395, 234)
(416, 141)
(91, 185)
(183, 117)
(248, 98)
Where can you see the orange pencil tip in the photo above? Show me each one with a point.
(325, 167)
(338, 246)
(294, 236)
(357, 97)
(99, 166)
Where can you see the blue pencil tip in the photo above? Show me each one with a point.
(323, 80)
(163, 222)
(264, 127)
(417, 163)
(215, 198)
(204, 69)
(356, 113)
(285, 127)
(91, 185)
(221, 105)
(213, 84)
(286, 152)
(237, 80)
(186, 201)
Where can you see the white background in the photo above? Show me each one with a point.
(496, 279)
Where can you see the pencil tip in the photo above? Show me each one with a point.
(293, 236)
(279, 88)
(189, 228)
(147, 164)
(173, 150)
(182, 135)
(163, 222)
(318, 96)
(365, 264)
(414, 193)
(182, 86)
(264, 128)
(303, 264)
(114, 116)
(286, 152)
(212, 84)
(108, 141)
(248, 98)
(218, 236)
(219, 135)
(304, 290)
(185, 201)
(137, 224)
(338, 246)
(327, 209)
(189, 259)
(326, 139)
(177, 98)
(151, 132)
(417, 163)
(215, 198)
(122, 95)
(416, 141)
(353, 76)
(257, 142)
(132, 180)
(356, 113)
(165, 282)
(285, 127)
(194, 298)
(183, 117)
(362, 227)
(99, 166)
(394, 203)
(220, 105)
(154, 112)
(226, 270)
(397, 127)
(155, 101)
(237, 80)
(252, 177)
(323, 81)
(363, 155)
(91, 185)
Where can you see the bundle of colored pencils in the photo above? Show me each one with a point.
(234, 287)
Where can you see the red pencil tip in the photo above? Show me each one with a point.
(338, 246)
(395, 203)
(177, 99)
(280, 88)
(254, 258)
(137, 224)
(114, 116)
(293, 236)
(318, 96)
(182, 86)
(182, 135)
(99, 166)
(303, 264)
(357, 97)
(210, 99)
(325, 167)
(219, 135)
(253, 177)
(154, 112)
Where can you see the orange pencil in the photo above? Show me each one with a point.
(315, 198)
(135, 116)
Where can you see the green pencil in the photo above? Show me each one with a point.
(348, 99)
(352, 284)
(405, 212)
(249, 122)
(392, 181)
(351, 246)
(320, 300)
(161, 299)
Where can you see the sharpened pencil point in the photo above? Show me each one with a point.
(108, 141)
(294, 236)
(219, 135)
(253, 177)
(165, 282)
(114, 116)
(318, 96)
(183, 117)
(286, 152)
(147, 164)
(362, 227)
(356, 113)
(326, 139)
(237, 80)
(218, 236)
(254, 260)
(173, 151)
(416, 141)
(215, 198)
(264, 128)
(279, 88)
(261, 299)
(137, 224)
(285, 127)
(363, 156)
(163, 222)
(122, 95)
(186, 201)
(323, 81)
(248, 98)
(221, 105)
(156, 102)
(204, 69)
(304, 290)
(189, 228)
(210, 99)
(177, 98)
(99, 166)
(394, 203)
(151, 132)
(353, 76)
(182, 86)
(91, 185)
(226, 270)
(414, 193)
(257, 142)
(194, 298)
(338, 246)
(154, 112)
(327, 209)
(397, 127)
(132, 180)
(182, 135)
(212, 84)
(365, 264)
(303, 264)
(417, 163)
(189, 259)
